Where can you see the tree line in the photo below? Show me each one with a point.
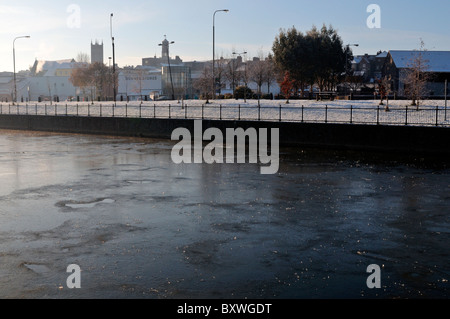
(298, 62)
(238, 73)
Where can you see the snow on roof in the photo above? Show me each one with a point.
(437, 61)
(382, 54)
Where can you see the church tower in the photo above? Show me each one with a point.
(97, 52)
(165, 49)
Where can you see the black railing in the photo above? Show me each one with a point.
(352, 114)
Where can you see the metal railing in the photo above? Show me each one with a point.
(397, 115)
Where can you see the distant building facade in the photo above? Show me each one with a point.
(437, 66)
(177, 81)
(140, 83)
(369, 67)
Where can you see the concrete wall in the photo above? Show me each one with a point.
(397, 139)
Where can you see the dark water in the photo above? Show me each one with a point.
(140, 226)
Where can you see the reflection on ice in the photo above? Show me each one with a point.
(140, 226)
(92, 204)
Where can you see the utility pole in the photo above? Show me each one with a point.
(114, 62)
(214, 50)
(167, 43)
(14, 61)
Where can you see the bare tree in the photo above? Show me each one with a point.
(220, 73)
(385, 87)
(232, 74)
(257, 71)
(270, 75)
(83, 58)
(96, 77)
(245, 77)
(204, 83)
(417, 76)
(80, 78)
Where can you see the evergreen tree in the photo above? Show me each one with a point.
(319, 57)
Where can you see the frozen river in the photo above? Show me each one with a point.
(140, 226)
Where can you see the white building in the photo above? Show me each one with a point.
(139, 83)
(49, 80)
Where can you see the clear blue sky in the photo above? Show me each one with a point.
(251, 25)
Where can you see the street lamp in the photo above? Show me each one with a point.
(112, 76)
(170, 69)
(245, 76)
(114, 61)
(14, 61)
(346, 61)
(214, 49)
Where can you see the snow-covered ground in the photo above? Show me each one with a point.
(431, 112)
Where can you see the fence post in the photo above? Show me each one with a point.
(406, 116)
(239, 113)
(113, 110)
(185, 111)
(77, 110)
(351, 114)
(100, 110)
(66, 109)
(203, 110)
(35, 108)
(303, 110)
(437, 115)
(280, 112)
(45, 106)
(89, 109)
(169, 112)
(220, 113)
(140, 110)
(27, 108)
(126, 109)
(378, 114)
(154, 111)
(17, 109)
(56, 110)
(259, 113)
(326, 113)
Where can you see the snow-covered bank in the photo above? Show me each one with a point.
(431, 112)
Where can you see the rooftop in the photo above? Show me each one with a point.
(437, 61)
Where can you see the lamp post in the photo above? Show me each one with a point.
(346, 61)
(14, 62)
(245, 76)
(168, 60)
(214, 50)
(114, 61)
(112, 76)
